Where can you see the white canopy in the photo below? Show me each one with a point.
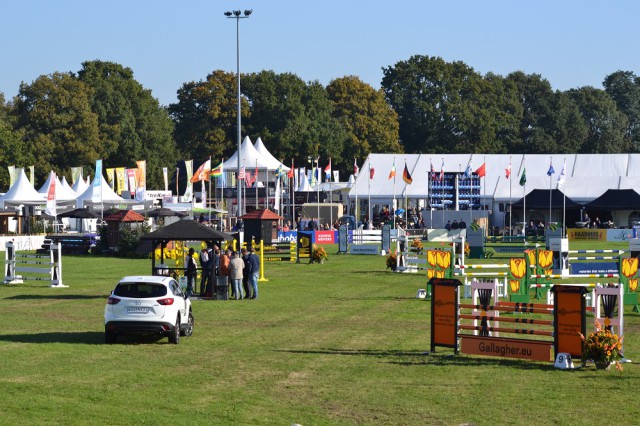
(108, 195)
(62, 193)
(249, 157)
(273, 161)
(22, 192)
(80, 185)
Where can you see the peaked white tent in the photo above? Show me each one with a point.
(80, 185)
(62, 193)
(249, 157)
(66, 185)
(108, 196)
(273, 161)
(22, 192)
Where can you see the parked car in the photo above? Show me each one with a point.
(148, 305)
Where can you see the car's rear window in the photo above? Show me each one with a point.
(140, 290)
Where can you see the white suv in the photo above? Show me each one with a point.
(148, 305)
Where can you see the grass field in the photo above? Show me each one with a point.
(338, 343)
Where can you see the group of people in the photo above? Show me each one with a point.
(455, 225)
(238, 270)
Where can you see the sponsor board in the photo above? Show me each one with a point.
(325, 237)
(364, 249)
(588, 268)
(507, 348)
(587, 234)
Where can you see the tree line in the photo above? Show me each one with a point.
(424, 105)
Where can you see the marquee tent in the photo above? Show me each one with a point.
(273, 161)
(616, 199)
(22, 192)
(62, 193)
(538, 199)
(80, 186)
(249, 157)
(108, 196)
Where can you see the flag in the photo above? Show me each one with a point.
(327, 170)
(392, 173)
(51, 197)
(165, 176)
(255, 175)
(217, 171)
(482, 170)
(120, 178)
(523, 177)
(441, 178)
(203, 172)
(249, 180)
(242, 175)
(291, 171)
(406, 176)
(97, 183)
(562, 176)
(434, 176)
(508, 170)
(550, 171)
(141, 177)
(131, 178)
(356, 169)
(372, 171)
(467, 171)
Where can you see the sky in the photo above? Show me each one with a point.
(571, 43)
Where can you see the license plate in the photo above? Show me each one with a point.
(137, 310)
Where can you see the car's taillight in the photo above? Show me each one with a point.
(167, 301)
(113, 301)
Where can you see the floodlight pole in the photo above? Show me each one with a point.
(237, 15)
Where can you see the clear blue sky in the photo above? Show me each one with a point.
(571, 43)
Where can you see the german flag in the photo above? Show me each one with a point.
(406, 176)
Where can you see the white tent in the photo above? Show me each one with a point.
(62, 193)
(249, 158)
(22, 192)
(80, 185)
(108, 196)
(273, 161)
(66, 185)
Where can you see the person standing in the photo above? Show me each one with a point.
(225, 258)
(191, 270)
(245, 274)
(205, 264)
(254, 271)
(236, 265)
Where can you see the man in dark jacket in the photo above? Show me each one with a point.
(254, 271)
(245, 274)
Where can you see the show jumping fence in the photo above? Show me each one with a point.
(46, 267)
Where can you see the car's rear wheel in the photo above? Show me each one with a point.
(188, 331)
(175, 335)
(110, 337)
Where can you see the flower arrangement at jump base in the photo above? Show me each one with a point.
(319, 254)
(391, 261)
(603, 347)
(416, 246)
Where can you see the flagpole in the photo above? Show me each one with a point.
(431, 194)
(442, 187)
(317, 171)
(550, 188)
(292, 195)
(330, 196)
(209, 194)
(524, 204)
(355, 181)
(484, 196)
(177, 190)
(255, 183)
(370, 212)
(395, 203)
(510, 203)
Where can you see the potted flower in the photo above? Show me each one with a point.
(416, 246)
(602, 347)
(392, 262)
(319, 254)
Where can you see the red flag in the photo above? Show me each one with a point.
(372, 171)
(508, 171)
(482, 170)
(290, 173)
(242, 174)
(434, 176)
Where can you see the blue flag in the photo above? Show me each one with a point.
(550, 171)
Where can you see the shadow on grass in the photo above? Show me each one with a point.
(421, 358)
(57, 297)
(77, 337)
(373, 298)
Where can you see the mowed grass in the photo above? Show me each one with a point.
(338, 343)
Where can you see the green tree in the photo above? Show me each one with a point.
(205, 117)
(12, 148)
(133, 125)
(606, 125)
(624, 89)
(54, 118)
(294, 119)
(371, 125)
